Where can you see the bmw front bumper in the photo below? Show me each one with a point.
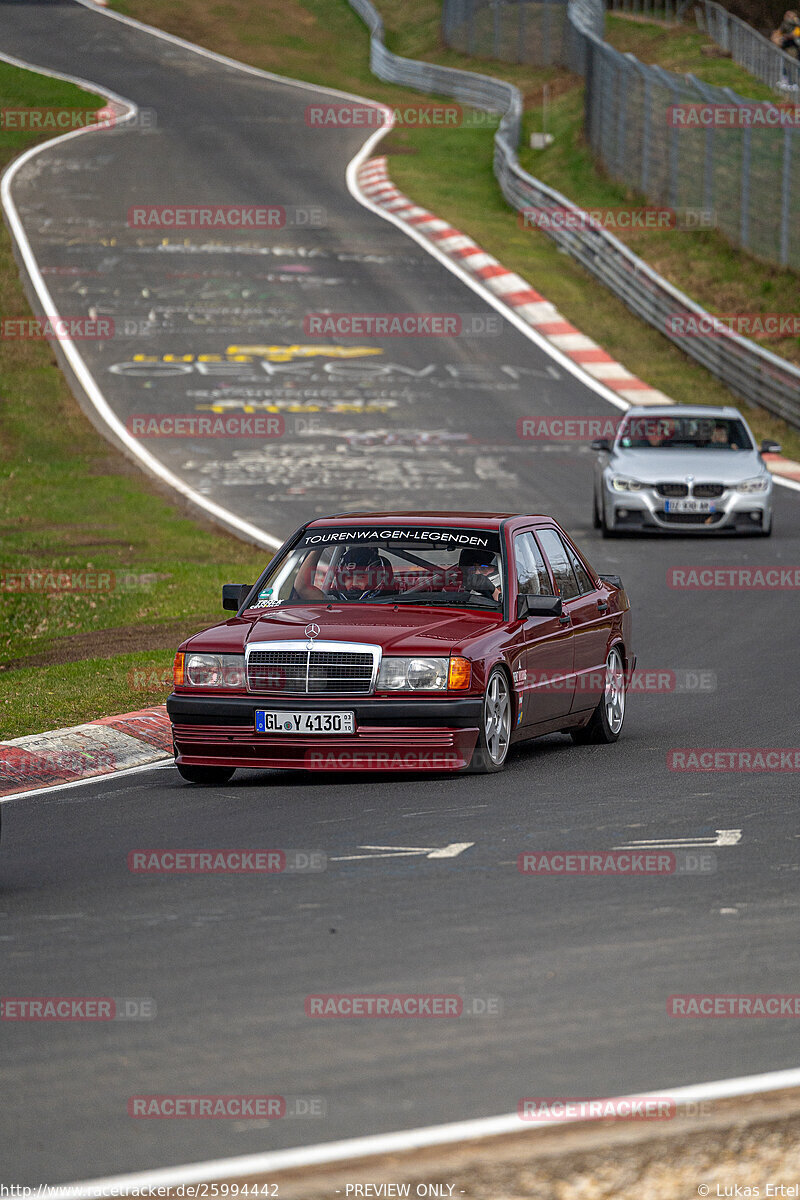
(732, 512)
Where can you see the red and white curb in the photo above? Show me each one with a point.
(87, 751)
(511, 289)
(515, 292)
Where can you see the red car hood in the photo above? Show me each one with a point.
(408, 630)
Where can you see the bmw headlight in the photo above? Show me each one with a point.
(622, 484)
(759, 483)
(412, 675)
(209, 670)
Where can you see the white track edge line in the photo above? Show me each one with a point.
(406, 1140)
(166, 761)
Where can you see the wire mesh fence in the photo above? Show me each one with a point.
(746, 46)
(674, 138)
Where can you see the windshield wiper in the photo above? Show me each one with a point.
(476, 601)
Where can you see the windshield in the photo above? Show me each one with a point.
(453, 567)
(680, 433)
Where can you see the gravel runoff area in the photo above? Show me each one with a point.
(750, 1143)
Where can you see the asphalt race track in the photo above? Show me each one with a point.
(582, 967)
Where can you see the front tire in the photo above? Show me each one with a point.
(605, 724)
(607, 530)
(207, 775)
(767, 532)
(494, 737)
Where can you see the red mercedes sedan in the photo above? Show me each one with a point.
(405, 641)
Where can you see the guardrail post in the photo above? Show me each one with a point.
(786, 194)
(744, 215)
(646, 107)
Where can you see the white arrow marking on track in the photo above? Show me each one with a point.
(403, 851)
(724, 837)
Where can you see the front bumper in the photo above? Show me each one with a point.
(735, 512)
(437, 734)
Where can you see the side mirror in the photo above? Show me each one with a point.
(234, 595)
(770, 447)
(601, 444)
(538, 606)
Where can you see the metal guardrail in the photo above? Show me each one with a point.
(751, 372)
(677, 140)
(670, 11)
(750, 49)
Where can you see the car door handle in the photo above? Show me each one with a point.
(602, 605)
(564, 619)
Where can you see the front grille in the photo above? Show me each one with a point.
(672, 490)
(310, 671)
(277, 671)
(691, 518)
(708, 491)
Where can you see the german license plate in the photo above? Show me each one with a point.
(689, 506)
(283, 721)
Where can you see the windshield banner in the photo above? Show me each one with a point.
(480, 539)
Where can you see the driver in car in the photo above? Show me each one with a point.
(477, 567)
(361, 574)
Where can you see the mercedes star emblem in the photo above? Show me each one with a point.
(312, 631)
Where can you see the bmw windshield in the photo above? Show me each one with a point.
(682, 433)
(452, 567)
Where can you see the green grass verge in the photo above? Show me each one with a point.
(56, 697)
(69, 500)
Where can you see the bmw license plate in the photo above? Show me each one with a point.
(280, 721)
(689, 506)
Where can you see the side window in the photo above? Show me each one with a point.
(556, 552)
(532, 577)
(585, 581)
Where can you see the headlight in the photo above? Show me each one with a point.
(759, 483)
(621, 484)
(210, 670)
(413, 675)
